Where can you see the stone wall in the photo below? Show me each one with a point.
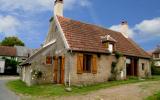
(147, 68)
(103, 67)
(26, 75)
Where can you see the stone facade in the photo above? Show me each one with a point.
(146, 71)
(104, 64)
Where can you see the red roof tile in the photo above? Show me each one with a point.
(86, 37)
(7, 51)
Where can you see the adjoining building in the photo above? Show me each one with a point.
(17, 53)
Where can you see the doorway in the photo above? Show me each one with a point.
(132, 67)
(59, 70)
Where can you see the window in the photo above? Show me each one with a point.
(156, 55)
(143, 65)
(56, 28)
(110, 47)
(48, 60)
(87, 63)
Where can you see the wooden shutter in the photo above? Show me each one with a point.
(62, 69)
(79, 63)
(94, 64)
(48, 60)
(55, 69)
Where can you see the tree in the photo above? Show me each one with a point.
(12, 41)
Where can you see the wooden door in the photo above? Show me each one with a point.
(59, 63)
(55, 77)
(62, 59)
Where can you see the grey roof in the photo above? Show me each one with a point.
(23, 51)
(37, 53)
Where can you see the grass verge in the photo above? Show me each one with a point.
(156, 96)
(59, 90)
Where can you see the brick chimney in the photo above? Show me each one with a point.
(58, 7)
(124, 28)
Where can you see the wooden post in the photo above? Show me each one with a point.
(132, 65)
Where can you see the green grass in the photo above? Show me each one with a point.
(59, 90)
(156, 96)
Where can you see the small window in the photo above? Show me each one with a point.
(48, 60)
(56, 28)
(87, 63)
(143, 65)
(110, 47)
(156, 55)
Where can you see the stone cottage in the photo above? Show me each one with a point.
(79, 53)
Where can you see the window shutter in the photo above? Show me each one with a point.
(79, 63)
(55, 68)
(94, 64)
(62, 69)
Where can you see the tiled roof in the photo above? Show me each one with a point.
(86, 37)
(7, 51)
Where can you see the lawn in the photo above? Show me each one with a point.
(156, 96)
(59, 90)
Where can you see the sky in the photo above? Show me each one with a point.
(30, 20)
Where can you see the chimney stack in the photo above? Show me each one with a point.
(124, 28)
(58, 7)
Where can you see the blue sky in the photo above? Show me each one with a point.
(30, 20)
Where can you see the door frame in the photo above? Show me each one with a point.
(59, 68)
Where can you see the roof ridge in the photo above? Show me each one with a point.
(90, 24)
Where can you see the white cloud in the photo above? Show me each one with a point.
(25, 5)
(70, 4)
(39, 5)
(143, 29)
(9, 25)
(149, 26)
(118, 28)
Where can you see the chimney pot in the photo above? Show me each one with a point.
(124, 28)
(58, 7)
(124, 22)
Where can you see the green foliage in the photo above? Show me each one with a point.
(154, 69)
(11, 41)
(156, 96)
(11, 62)
(37, 74)
(10, 66)
(51, 19)
(118, 55)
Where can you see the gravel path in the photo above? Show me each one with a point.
(137, 91)
(5, 94)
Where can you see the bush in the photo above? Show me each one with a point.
(118, 55)
(155, 70)
(10, 66)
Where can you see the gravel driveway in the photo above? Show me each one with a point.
(6, 94)
(136, 91)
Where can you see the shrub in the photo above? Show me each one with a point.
(118, 55)
(155, 70)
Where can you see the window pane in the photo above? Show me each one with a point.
(110, 47)
(87, 63)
